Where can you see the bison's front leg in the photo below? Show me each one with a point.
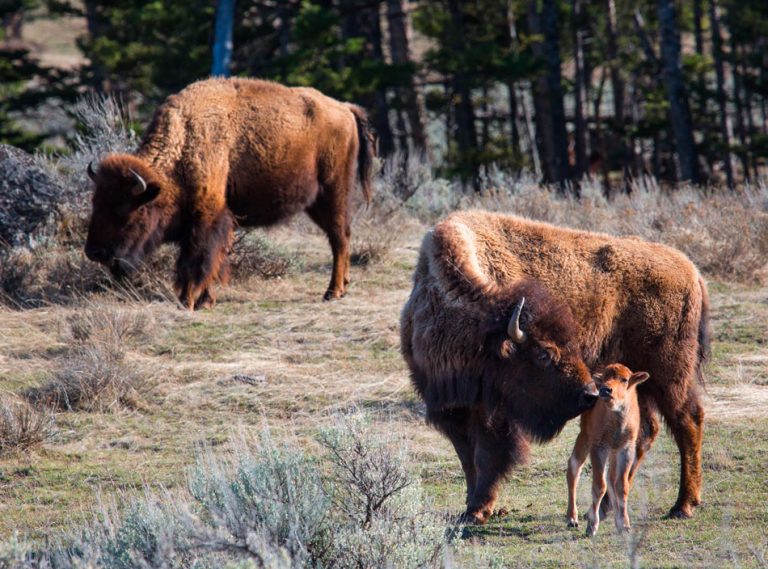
(203, 260)
(455, 424)
(497, 450)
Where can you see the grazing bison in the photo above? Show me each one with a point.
(590, 300)
(226, 152)
(608, 436)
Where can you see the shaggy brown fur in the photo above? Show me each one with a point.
(226, 152)
(640, 303)
(608, 435)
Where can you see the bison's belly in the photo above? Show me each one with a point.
(270, 203)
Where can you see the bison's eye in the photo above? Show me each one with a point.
(542, 358)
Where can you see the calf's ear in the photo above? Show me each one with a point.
(638, 377)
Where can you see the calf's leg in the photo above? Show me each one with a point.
(620, 483)
(599, 458)
(575, 463)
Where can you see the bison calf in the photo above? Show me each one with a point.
(226, 152)
(608, 435)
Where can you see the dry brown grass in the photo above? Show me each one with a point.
(22, 427)
(95, 374)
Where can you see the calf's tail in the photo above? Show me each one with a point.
(366, 152)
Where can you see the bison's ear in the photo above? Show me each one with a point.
(507, 349)
(638, 377)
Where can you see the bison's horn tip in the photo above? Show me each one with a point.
(139, 181)
(513, 328)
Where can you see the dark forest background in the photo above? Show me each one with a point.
(616, 89)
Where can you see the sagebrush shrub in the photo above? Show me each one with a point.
(265, 505)
(254, 254)
(22, 426)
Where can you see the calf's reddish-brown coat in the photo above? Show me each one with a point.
(608, 436)
(226, 152)
(620, 299)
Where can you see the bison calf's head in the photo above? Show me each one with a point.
(544, 381)
(616, 385)
(126, 218)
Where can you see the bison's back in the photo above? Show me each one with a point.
(273, 144)
(630, 297)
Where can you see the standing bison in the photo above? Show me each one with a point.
(507, 314)
(226, 152)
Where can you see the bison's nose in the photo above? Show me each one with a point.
(605, 391)
(96, 253)
(587, 397)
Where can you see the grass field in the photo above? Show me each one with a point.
(272, 354)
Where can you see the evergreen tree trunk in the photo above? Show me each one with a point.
(364, 20)
(580, 94)
(698, 35)
(399, 45)
(548, 95)
(222, 41)
(617, 85)
(94, 31)
(717, 54)
(466, 133)
(680, 113)
(737, 89)
(514, 131)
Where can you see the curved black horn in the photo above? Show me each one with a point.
(513, 328)
(139, 182)
(91, 173)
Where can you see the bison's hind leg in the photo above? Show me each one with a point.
(329, 212)
(687, 426)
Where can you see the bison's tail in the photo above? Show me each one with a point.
(366, 152)
(704, 332)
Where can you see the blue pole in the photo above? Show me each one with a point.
(222, 38)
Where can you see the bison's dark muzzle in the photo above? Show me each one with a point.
(588, 398)
(98, 254)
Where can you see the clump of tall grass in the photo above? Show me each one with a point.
(266, 504)
(95, 375)
(22, 427)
